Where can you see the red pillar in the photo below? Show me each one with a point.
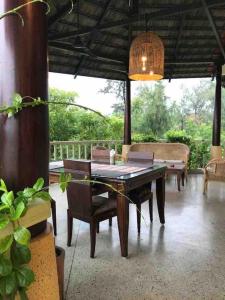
(24, 140)
(217, 108)
(127, 116)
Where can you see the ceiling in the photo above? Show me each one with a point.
(93, 39)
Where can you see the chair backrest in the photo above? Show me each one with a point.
(140, 157)
(100, 154)
(79, 194)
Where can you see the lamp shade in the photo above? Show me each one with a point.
(146, 60)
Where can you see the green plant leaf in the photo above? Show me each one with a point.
(29, 192)
(3, 207)
(5, 266)
(3, 187)
(4, 221)
(22, 235)
(8, 198)
(18, 211)
(8, 284)
(25, 276)
(17, 99)
(20, 254)
(43, 195)
(64, 180)
(5, 243)
(39, 184)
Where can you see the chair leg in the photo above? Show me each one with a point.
(97, 227)
(53, 207)
(69, 228)
(205, 186)
(138, 208)
(110, 222)
(151, 209)
(93, 238)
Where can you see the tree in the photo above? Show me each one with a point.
(150, 113)
(118, 89)
(73, 123)
(61, 118)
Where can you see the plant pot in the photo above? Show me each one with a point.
(60, 258)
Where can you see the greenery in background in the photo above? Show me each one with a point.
(156, 117)
(71, 123)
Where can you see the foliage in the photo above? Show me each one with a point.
(75, 124)
(149, 110)
(144, 138)
(116, 88)
(177, 136)
(15, 274)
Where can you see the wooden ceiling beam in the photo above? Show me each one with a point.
(213, 26)
(92, 35)
(180, 32)
(69, 47)
(179, 10)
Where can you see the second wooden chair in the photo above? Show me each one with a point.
(142, 194)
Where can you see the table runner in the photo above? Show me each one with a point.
(114, 171)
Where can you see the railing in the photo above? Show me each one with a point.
(80, 149)
(199, 150)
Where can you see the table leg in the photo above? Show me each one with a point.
(123, 220)
(178, 181)
(160, 195)
(182, 178)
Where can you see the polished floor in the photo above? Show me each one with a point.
(185, 259)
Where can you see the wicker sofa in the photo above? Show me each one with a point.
(173, 153)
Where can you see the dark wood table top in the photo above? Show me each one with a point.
(122, 172)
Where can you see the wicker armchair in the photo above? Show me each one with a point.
(214, 171)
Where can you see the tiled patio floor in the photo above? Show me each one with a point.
(185, 259)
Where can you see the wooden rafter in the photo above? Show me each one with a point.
(180, 32)
(92, 36)
(213, 26)
(160, 14)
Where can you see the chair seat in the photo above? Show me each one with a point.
(141, 194)
(101, 205)
(98, 189)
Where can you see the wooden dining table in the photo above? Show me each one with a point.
(124, 178)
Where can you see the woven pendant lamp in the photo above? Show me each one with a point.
(146, 57)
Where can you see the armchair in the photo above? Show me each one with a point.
(214, 171)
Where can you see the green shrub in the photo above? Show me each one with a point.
(199, 154)
(143, 138)
(177, 136)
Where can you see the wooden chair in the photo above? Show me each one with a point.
(100, 154)
(142, 194)
(82, 204)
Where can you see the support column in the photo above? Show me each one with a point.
(217, 108)
(24, 140)
(216, 151)
(127, 116)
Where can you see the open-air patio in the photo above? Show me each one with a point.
(112, 188)
(183, 259)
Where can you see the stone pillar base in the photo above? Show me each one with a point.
(216, 152)
(43, 264)
(125, 150)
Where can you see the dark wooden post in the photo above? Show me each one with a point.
(127, 115)
(217, 108)
(24, 140)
